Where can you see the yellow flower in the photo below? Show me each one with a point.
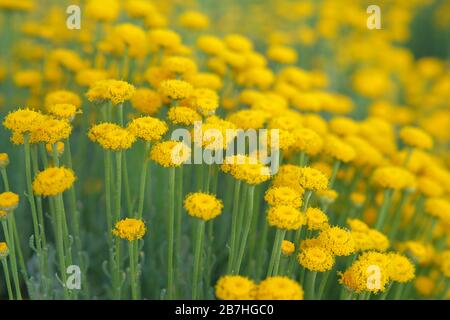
(179, 65)
(116, 91)
(429, 187)
(235, 288)
(102, 10)
(379, 241)
(23, 120)
(237, 42)
(338, 149)
(194, 20)
(418, 251)
(183, 115)
(4, 251)
(175, 89)
(111, 136)
(248, 119)
(133, 37)
(362, 241)
(146, 101)
(357, 225)
(62, 97)
(316, 259)
(8, 201)
(163, 39)
(366, 155)
(148, 128)
(400, 268)
(204, 80)
(285, 217)
(52, 130)
(424, 285)
(204, 100)
(282, 54)
(276, 196)
(343, 126)
(287, 248)
(316, 219)
(246, 168)
(130, 229)
(210, 44)
(338, 241)
(312, 179)
(63, 111)
(53, 181)
(444, 263)
(170, 153)
(59, 148)
(416, 137)
(288, 176)
(87, 77)
(396, 178)
(4, 160)
(307, 140)
(203, 206)
(279, 288)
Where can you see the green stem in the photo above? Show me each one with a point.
(384, 209)
(234, 218)
(336, 166)
(197, 259)
(60, 244)
(323, 284)
(276, 253)
(118, 192)
(7, 278)
(170, 242)
(132, 247)
(143, 181)
(310, 285)
(109, 217)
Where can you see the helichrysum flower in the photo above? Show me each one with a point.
(62, 97)
(366, 155)
(87, 77)
(316, 219)
(210, 44)
(194, 20)
(276, 196)
(307, 140)
(424, 285)
(130, 229)
(393, 178)
(287, 248)
(288, 176)
(53, 181)
(418, 251)
(183, 115)
(97, 10)
(148, 128)
(238, 42)
(312, 179)
(282, 54)
(343, 126)
(235, 288)
(246, 168)
(248, 119)
(416, 137)
(338, 149)
(358, 198)
(179, 65)
(23, 120)
(8, 201)
(437, 207)
(163, 38)
(316, 259)
(63, 111)
(429, 187)
(279, 288)
(357, 225)
(111, 136)
(116, 91)
(285, 217)
(170, 153)
(205, 80)
(146, 101)
(59, 148)
(4, 160)
(444, 263)
(52, 130)
(401, 269)
(338, 241)
(204, 100)
(4, 251)
(203, 206)
(175, 89)
(379, 241)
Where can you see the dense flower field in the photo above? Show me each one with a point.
(238, 149)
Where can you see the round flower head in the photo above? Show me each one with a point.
(211, 45)
(279, 288)
(246, 168)
(170, 153)
(203, 206)
(4, 251)
(424, 285)
(357, 225)
(87, 77)
(307, 140)
(163, 39)
(205, 80)
(437, 207)
(111, 136)
(285, 217)
(401, 269)
(52, 130)
(248, 119)
(396, 178)
(238, 43)
(379, 241)
(338, 149)
(63, 111)
(288, 176)
(316, 259)
(316, 219)
(204, 100)
(338, 241)
(194, 20)
(175, 89)
(179, 65)
(53, 181)
(146, 101)
(148, 128)
(276, 196)
(8, 201)
(362, 241)
(130, 229)
(358, 198)
(287, 248)
(312, 179)
(282, 54)
(116, 91)
(23, 121)
(4, 160)
(366, 155)
(343, 126)
(235, 288)
(429, 187)
(183, 116)
(62, 97)
(418, 251)
(416, 137)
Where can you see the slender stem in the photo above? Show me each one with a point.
(384, 209)
(262, 250)
(310, 284)
(336, 166)
(60, 244)
(234, 218)
(118, 191)
(7, 278)
(197, 258)
(143, 181)
(178, 217)
(323, 284)
(132, 248)
(170, 241)
(108, 164)
(276, 253)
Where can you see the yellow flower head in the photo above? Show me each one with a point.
(146, 101)
(246, 168)
(429, 187)
(338, 241)
(379, 241)
(285, 217)
(396, 178)
(148, 128)
(183, 115)
(288, 176)
(175, 89)
(205, 80)
(52, 130)
(316, 259)
(366, 155)
(4, 160)
(343, 126)
(179, 65)
(23, 120)
(4, 251)
(59, 148)
(307, 141)
(276, 196)
(437, 207)
(418, 251)
(8, 201)
(279, 288)
(170, 153)
(203, 206)
(116, 91)
(238, 43)
(163, 39)
(102, 11)
(424, 285)
(287, 248)
(416, 137)
(235, 288)
(204, 100)
(357, 225)
(111, 136)
(358, 198)
(63, 111)
(312, 179)
(401, 268)
(87, 77)
(194, 20)
(210, 44)
(282, 54)
(53, 181)
(248, 119)
(62, 97)
(336, 148)
(316, 219)
(130, 229)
